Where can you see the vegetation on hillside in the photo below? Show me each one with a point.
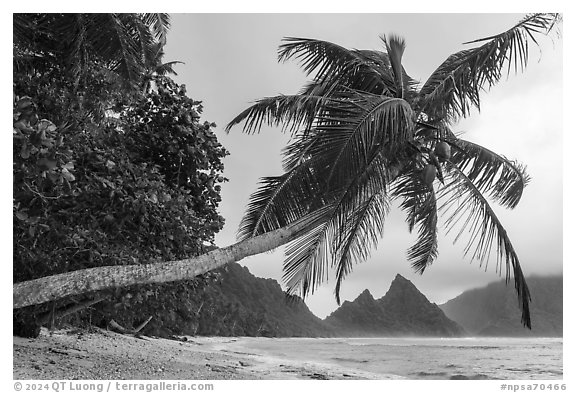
(108, 170)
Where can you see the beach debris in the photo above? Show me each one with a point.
(58, 351)
(317, 376)
(54, 314)
(221, 368)
(116, 327)
(458, 376)
(178, 338)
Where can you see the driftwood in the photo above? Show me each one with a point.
(116, 327)
(51, 316)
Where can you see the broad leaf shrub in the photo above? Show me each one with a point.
(105, 179)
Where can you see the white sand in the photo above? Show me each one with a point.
(101, 354)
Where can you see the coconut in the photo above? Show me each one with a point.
(442, 151)
(428, 174)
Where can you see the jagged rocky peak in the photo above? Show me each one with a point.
(403, 292)
(404, 310)
(365, 295)
(401, 282)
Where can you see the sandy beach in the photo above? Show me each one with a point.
(102, 354)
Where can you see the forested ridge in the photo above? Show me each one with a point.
(479, 311)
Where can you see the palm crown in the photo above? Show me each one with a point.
(365, 134)
(129, 45)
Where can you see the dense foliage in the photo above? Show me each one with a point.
(128, 47)
(230, 302)
(104, 174)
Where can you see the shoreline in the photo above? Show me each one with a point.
(102, 354)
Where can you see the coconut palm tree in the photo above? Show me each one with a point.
(124, 43)
(116, 52)
(364, 134)
(155, 66)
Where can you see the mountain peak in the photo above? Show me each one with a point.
(365, 294)
(365, 299)
(399, 278)
(402, 284)
(404, 310)
(492, 310)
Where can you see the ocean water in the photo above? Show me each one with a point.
(425, 358)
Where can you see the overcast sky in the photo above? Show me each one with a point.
(231, 61)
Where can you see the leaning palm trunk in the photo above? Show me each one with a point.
(360, 115)
(78, 282)
(364, 134)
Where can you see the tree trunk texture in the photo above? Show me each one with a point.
(78, 282)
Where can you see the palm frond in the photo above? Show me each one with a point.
(355, 215)
(150, 50)
(79, 50)
(307, 261)
(365, 226)
(338, 71)
(352, 206)
(373, 74)
(153, 54)
(23, 30)
(533, 22)
(64, 38)
(502, 179)
(322, 57)
(379, 71)
(479, 220)
(278, 201)
(455, 86)
(354, 138)
(351, 133)
(360, 125)
(123, 43)
(288, 111)
(112, 38)
(307, 252)
(159, 24)
(300, 149)
(419, 203)
(310, 160)
(167, 68)
(336, 67)
(356, 125)
(395, 47)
